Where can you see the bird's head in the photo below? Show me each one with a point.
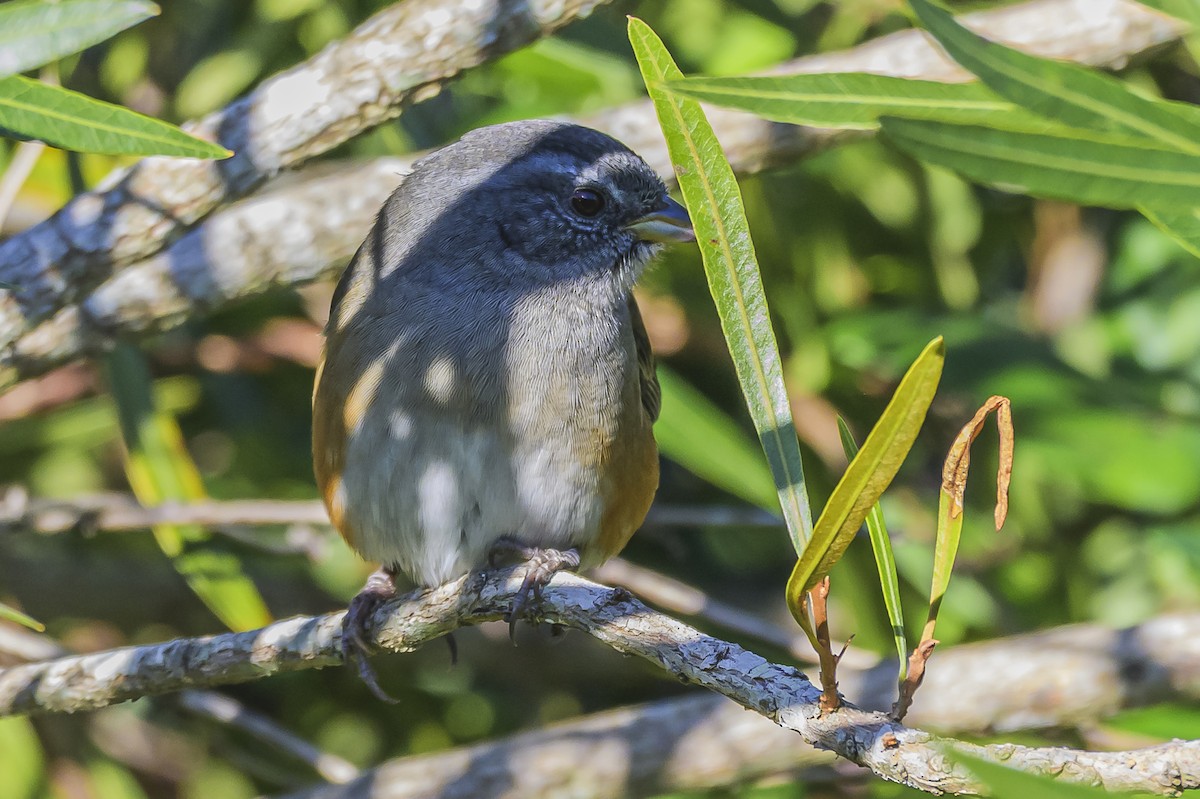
(539, 202)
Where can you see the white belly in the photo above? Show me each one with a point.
(430, 497)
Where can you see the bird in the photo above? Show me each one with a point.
(487, 387)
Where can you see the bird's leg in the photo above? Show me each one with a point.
(380, 587)
(540, 567)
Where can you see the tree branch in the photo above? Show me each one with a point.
(703, 742)
(612, 616)
(121, 512)
(308, 230)
(403, 54)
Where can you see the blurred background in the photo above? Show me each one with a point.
(1089, 320)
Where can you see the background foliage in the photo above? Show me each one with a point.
(1088, 319)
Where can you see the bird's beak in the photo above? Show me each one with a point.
(667, 224)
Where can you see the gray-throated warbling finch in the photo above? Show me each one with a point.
(487, 386)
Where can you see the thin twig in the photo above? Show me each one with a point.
(914, 678)
(121, 513)
(19, 168)
(830, 698)
(227, 710)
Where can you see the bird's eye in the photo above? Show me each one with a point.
(587, 202)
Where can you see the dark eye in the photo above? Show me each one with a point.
(587, 202)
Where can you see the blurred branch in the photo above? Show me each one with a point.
(119, 512)
(227, 710)
(401, 55)
(703, 742)
(613, 617)
(308, 229)
(30, 646)
(20, 165)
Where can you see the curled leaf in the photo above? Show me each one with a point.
(954, 473)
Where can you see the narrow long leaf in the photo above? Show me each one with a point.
(1089, 167)
(12, 614)
(847, 100)
(698, 435)
(1066, 93)
(885, 560)
(719, 219)
(36, 33)
(945, 550)
(159, 470)
(1183, 225)
(73, 121)
(868, 475)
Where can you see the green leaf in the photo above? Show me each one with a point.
(1088, 167)
(73, 121)
(868, 475)
(22, 760)
(12, 614)
(848, 100)
(692, 431)
(1183, 225)
(719, 218)
(1187, 10)
(1066, 93)
(160, 470)
(945, 550)
(36, 33)
(1003, 782)
(885, 560)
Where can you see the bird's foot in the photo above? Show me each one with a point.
(540, 567)
(380, 587)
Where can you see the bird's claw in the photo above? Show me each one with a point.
(540, 567)
(380, 587)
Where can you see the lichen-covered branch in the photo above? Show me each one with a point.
(309, 229)
(403, 54)
(1058, 678)
(612, 616)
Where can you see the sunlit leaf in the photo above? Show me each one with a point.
(846, 100)
(69, 120)
(36, 33)
(885, 559)
(12, 614)
(1088, 167)
(1183, 225)
(868, 475)
(719, 218)
(1066, 93)
(22, 760)
(698, 435)
(160, 469)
